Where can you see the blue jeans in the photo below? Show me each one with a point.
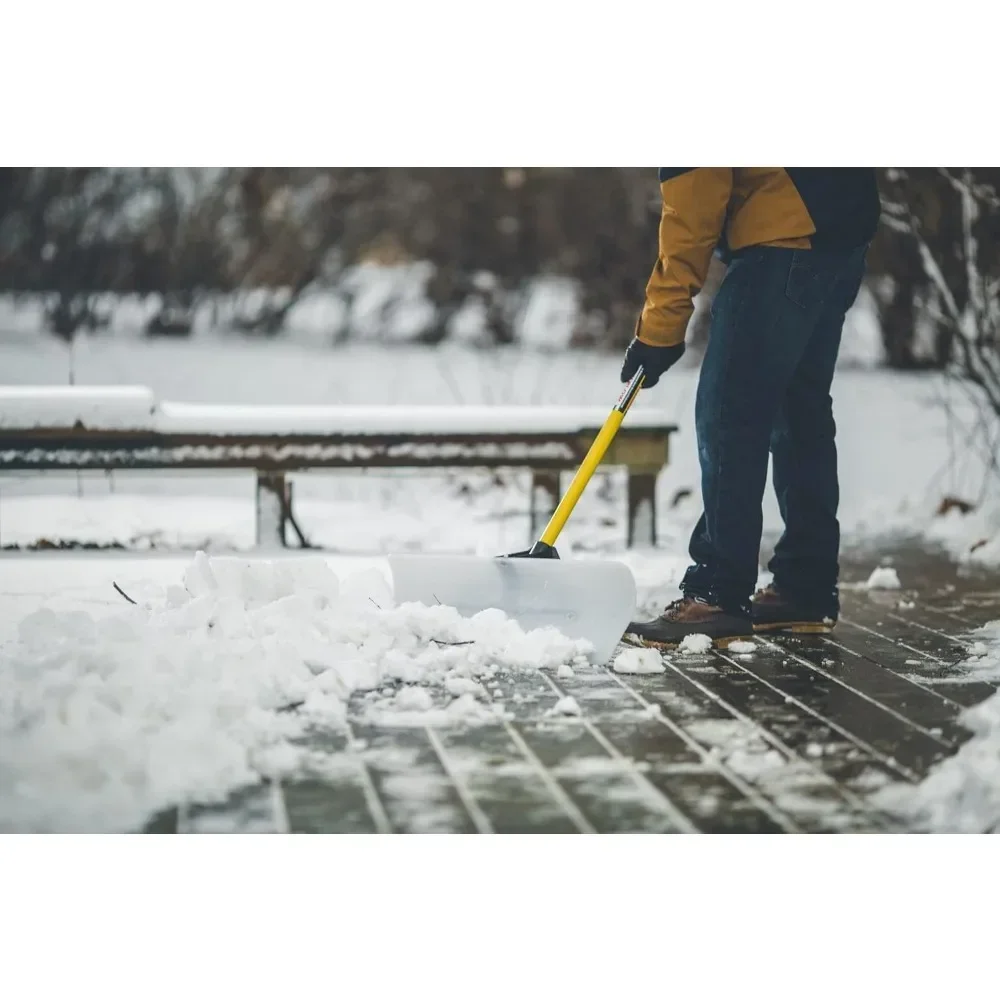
(765, 386)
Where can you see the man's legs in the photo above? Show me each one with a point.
(763, 322)
(804, 462)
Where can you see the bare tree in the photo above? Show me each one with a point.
(961, 268)
(951, 218)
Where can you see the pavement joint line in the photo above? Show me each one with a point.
(278, 808)
(663, 801)
(928, 628)
(867, 697)
(849, 797)
(894, 642)
(748, 791)
(548, 779)
(901, 769)
(375, 807)
(948, 744)
(479, 819)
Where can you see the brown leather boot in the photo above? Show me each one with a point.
(773, 612)
(690, 616)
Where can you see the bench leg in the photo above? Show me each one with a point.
(274, 498)
(641, 509)
(544, 499)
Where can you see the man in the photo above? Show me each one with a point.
(795, 241)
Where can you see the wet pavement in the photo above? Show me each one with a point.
(794, 737)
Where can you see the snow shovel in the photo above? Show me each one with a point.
(592, 599)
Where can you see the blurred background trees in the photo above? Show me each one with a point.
(481, 235)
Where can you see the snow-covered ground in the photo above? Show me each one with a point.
(108, 712)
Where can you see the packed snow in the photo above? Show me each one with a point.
(639, 661)
(202, 687)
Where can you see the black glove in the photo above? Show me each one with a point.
(654, 360)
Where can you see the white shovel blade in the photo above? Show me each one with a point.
(582, 598)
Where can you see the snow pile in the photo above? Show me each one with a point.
(971, 537)
(695, 644)
(201, 689)
(639, 661)
(883, 578)
(961, 794)
(983, 660)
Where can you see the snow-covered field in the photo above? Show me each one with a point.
(904, 446)
(109, 711)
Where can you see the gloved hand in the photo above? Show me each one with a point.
(654, 360)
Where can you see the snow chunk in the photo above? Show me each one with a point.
(695, 644)
(639, 661)
(565, 706)
(742, 646)
(413, 699)
(883, 578)
(457, 685)
(565, 672)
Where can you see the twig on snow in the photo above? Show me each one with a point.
(122, 592)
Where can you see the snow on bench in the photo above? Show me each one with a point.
(212, 418)
(119, 408)
(127, 407)
(125, 427)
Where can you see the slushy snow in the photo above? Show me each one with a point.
(202, 689)
(639, 661)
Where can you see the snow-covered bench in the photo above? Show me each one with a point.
(83, 428)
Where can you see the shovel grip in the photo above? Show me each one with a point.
(592, 460)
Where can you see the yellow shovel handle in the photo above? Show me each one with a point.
(593, 459)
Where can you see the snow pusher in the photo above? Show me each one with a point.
(592, 599)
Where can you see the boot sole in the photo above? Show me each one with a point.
(800, 628)
(722, 643)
